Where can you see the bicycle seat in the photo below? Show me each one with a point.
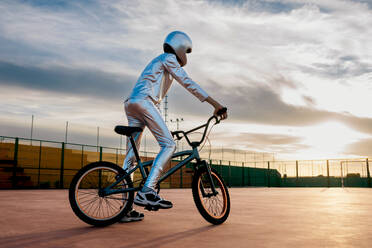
(127, 131)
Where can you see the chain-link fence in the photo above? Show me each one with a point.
(26, 163)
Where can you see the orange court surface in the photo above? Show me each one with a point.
(259, 217)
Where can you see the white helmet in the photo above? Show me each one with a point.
(180, 43)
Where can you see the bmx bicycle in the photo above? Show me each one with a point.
(101, 193)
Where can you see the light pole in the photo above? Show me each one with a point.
(97, 138)
(66, 131)
(177, 121)
(32, 128)
(222, 153)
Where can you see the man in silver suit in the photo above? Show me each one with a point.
(142, 109)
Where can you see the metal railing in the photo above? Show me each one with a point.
(51, 164)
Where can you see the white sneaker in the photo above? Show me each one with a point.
(152, 199)
(132, 215)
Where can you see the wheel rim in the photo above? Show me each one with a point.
(215, 206)
(88, 200)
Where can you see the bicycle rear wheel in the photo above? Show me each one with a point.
(214, 209)
(84, 196)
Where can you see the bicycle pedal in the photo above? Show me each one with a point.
(151, 208)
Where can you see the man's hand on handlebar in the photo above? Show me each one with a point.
(222, 112)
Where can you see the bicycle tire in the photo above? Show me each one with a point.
(83, 194)
(210, 207)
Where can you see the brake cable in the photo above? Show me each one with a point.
(207, 138)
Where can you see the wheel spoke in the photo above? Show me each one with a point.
(87, 193)
(91, 205)
(213, 204)
(88, 200)
(110, 207)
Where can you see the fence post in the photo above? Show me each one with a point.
(243, 174)
(229, 174)
(342, 175)
(368, 175)
(296, 173)
(268, 174)
(14, 179)
(100, 153)
(249, 177)
(62, 166)
(38, 174)
(82, 156)
(328, 182)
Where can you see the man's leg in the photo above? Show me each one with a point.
(129, 161)
(154, 121)
(130, 158)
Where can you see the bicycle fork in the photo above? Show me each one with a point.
(213, 187)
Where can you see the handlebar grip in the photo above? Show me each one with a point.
(222, 111)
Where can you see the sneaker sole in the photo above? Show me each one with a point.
(142, 204)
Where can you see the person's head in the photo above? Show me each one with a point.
(179, 44)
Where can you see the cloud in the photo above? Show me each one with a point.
(278, 63)
(361, 148)
(66, 81)
(263, 105)
(45, 130)
(309, 101)
(358, 123)
(251, 104)
(268, 142)
(346, 66)
(262, 6)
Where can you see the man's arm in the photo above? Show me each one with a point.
(217, 106)
(181, 76)
(178, 73)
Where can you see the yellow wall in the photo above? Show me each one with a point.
(49, 160)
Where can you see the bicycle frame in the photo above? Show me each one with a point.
(192, 154)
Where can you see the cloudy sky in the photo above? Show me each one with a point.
(296, 76)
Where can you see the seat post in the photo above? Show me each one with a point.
(134, 147)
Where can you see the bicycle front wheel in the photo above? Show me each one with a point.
(214, 208)
(89, 205)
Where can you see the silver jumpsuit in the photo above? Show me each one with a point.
(142, 109)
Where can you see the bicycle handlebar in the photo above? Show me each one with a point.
(206, 125)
